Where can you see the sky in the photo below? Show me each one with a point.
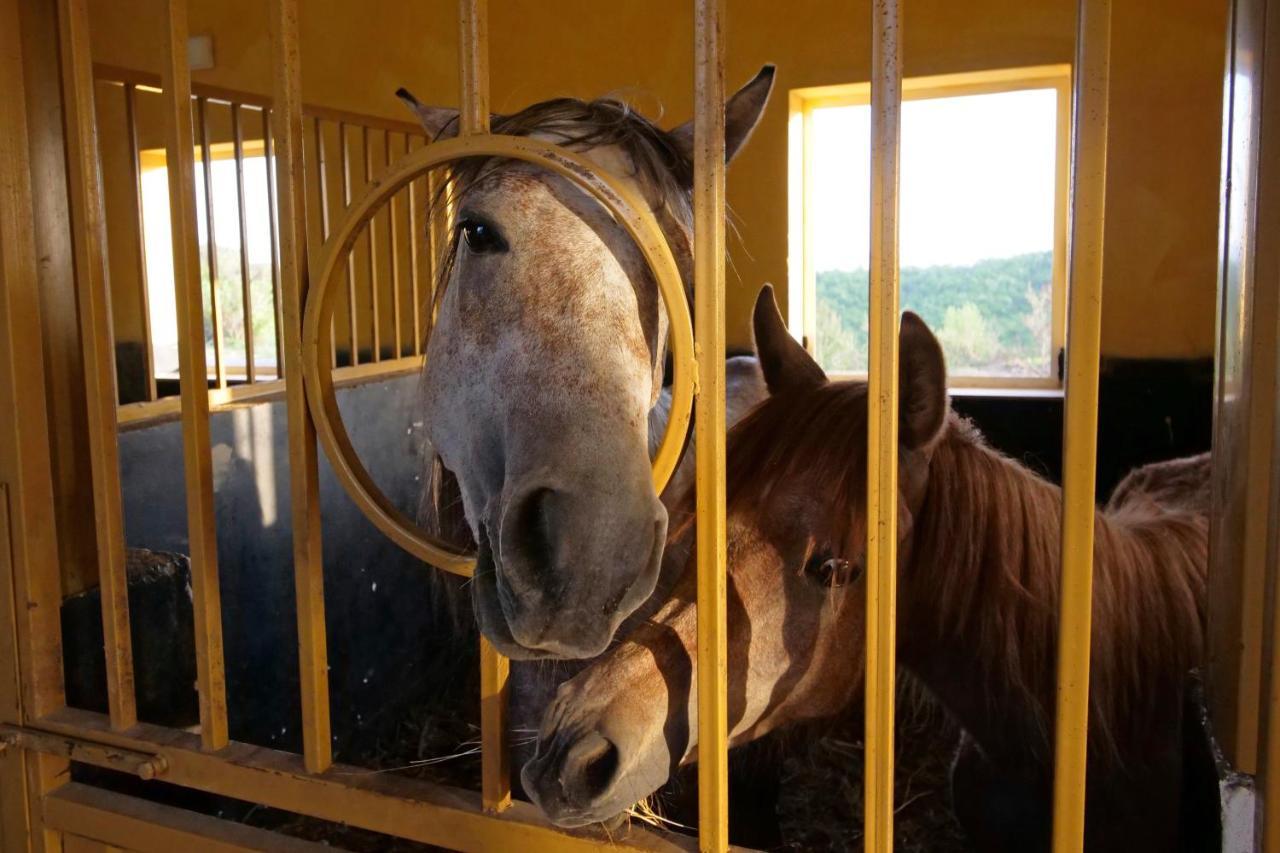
(977, 179)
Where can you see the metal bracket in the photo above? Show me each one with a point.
(145, 766)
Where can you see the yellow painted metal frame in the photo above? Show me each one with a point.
(629, 210)
(802, 278)
(882, 427)
(1080, 428)
(32, 708)
(708, 277)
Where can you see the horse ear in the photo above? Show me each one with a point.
(784, 363)
(922, 384)
(742, 113)
(439, 122)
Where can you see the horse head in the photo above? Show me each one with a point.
(544, 365)
(796, 596)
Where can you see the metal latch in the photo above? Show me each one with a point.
(146, 766)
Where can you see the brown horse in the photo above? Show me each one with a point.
(977, 624)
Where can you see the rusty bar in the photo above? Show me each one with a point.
(273, 230)
(373, 250)
(215, 312)
(196, 450)
(344, 154)
(93, 291)
(308, 563)
(246, 292)
(144, 296)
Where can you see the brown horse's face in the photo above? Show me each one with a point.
(542, 369)
(796, 592)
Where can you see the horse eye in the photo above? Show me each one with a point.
(481, 237)
(830, 571)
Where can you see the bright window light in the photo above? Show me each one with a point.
(979, 229)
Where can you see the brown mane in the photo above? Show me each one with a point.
(981, 568)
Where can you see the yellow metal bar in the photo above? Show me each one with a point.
(495, 762)
(322, 190)
(134, 415)
(473, 52)
(144, 765)
(276, 299)
(882, 425)
(344, 154)
(197, 457)
(31, 593)
(144, 296)
(210, 233)
(93, 292)
(373, 252)
(415, 242)
(246, 294)
(1080, 439)
(308, 563)
(381, 802)
(393, 232)
(709, 424)
(141, 826)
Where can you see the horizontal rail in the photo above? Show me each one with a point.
(142, 826)
(380, 802)
(135, 415)
(144, 765)
(105, 73)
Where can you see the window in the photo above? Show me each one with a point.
(230, 293)
(982, 237)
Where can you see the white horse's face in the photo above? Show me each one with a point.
(542, 367)
(540, 374)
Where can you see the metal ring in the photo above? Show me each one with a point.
(317, 357)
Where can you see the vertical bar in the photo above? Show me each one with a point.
(93, 291)
(414, 242)
(196, 451)
(215, 313)
(323, 180)
(1080, 439)
(246, 293)
(439, 228)
(709, 424)
(344, 154)
(473, 51)
(272, 228)
(394, 233)
(25, 455)
(373, 250)
(882, 427)
(308, 565)
(144, 300)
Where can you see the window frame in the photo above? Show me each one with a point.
(802, 278)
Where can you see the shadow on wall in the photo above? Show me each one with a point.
(386, 650)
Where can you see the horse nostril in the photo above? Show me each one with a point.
(530, 529)
(590, 769)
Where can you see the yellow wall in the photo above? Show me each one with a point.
(1162, 217)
